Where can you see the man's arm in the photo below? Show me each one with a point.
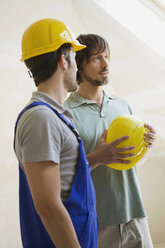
(45, 185)
(107, 153)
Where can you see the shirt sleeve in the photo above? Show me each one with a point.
(41, 137)
(130, 109)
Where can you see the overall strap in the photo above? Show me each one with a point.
(36, 103)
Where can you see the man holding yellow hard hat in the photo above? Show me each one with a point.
(120, 210)
(56, 193)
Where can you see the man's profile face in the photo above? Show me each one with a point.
(70, 76)
(96, 71)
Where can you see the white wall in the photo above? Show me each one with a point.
(137, 73)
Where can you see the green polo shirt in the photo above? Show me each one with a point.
(117, 192)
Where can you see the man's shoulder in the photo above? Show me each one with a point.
(114, 97)
(73, 101)
(38, 111)
(120, 103)
(117, 98)
(37, 117)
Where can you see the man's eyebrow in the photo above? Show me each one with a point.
(96, 54)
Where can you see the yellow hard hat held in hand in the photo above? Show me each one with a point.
(133, 127)
(47, 35)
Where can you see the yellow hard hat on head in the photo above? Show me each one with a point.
(134, 127)
(47, 35)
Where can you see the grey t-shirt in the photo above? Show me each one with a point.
(42, 136)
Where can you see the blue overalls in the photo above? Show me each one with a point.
(80, 203)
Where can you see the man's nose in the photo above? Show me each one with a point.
(105, 63)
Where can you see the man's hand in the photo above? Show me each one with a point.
(107, 153)
(150, 136)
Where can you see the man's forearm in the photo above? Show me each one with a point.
(59, 226)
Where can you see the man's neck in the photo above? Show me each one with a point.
(90, 92)
(54, 89)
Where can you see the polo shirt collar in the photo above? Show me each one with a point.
(75, 100)
(42, 97)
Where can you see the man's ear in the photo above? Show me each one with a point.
(63, 64)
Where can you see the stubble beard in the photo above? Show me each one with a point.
(71, 84)
(96, 82)
(73, 87)
(70, 81)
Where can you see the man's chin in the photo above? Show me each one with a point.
(105, 81)
(101, 82)
(74, 88)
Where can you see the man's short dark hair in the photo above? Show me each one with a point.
(42, 67)
(94, 44)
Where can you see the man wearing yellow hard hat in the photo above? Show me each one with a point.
(56, 193)
(120, 210)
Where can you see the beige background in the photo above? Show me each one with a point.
(137, 73)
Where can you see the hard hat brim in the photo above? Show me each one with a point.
(42, 50)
